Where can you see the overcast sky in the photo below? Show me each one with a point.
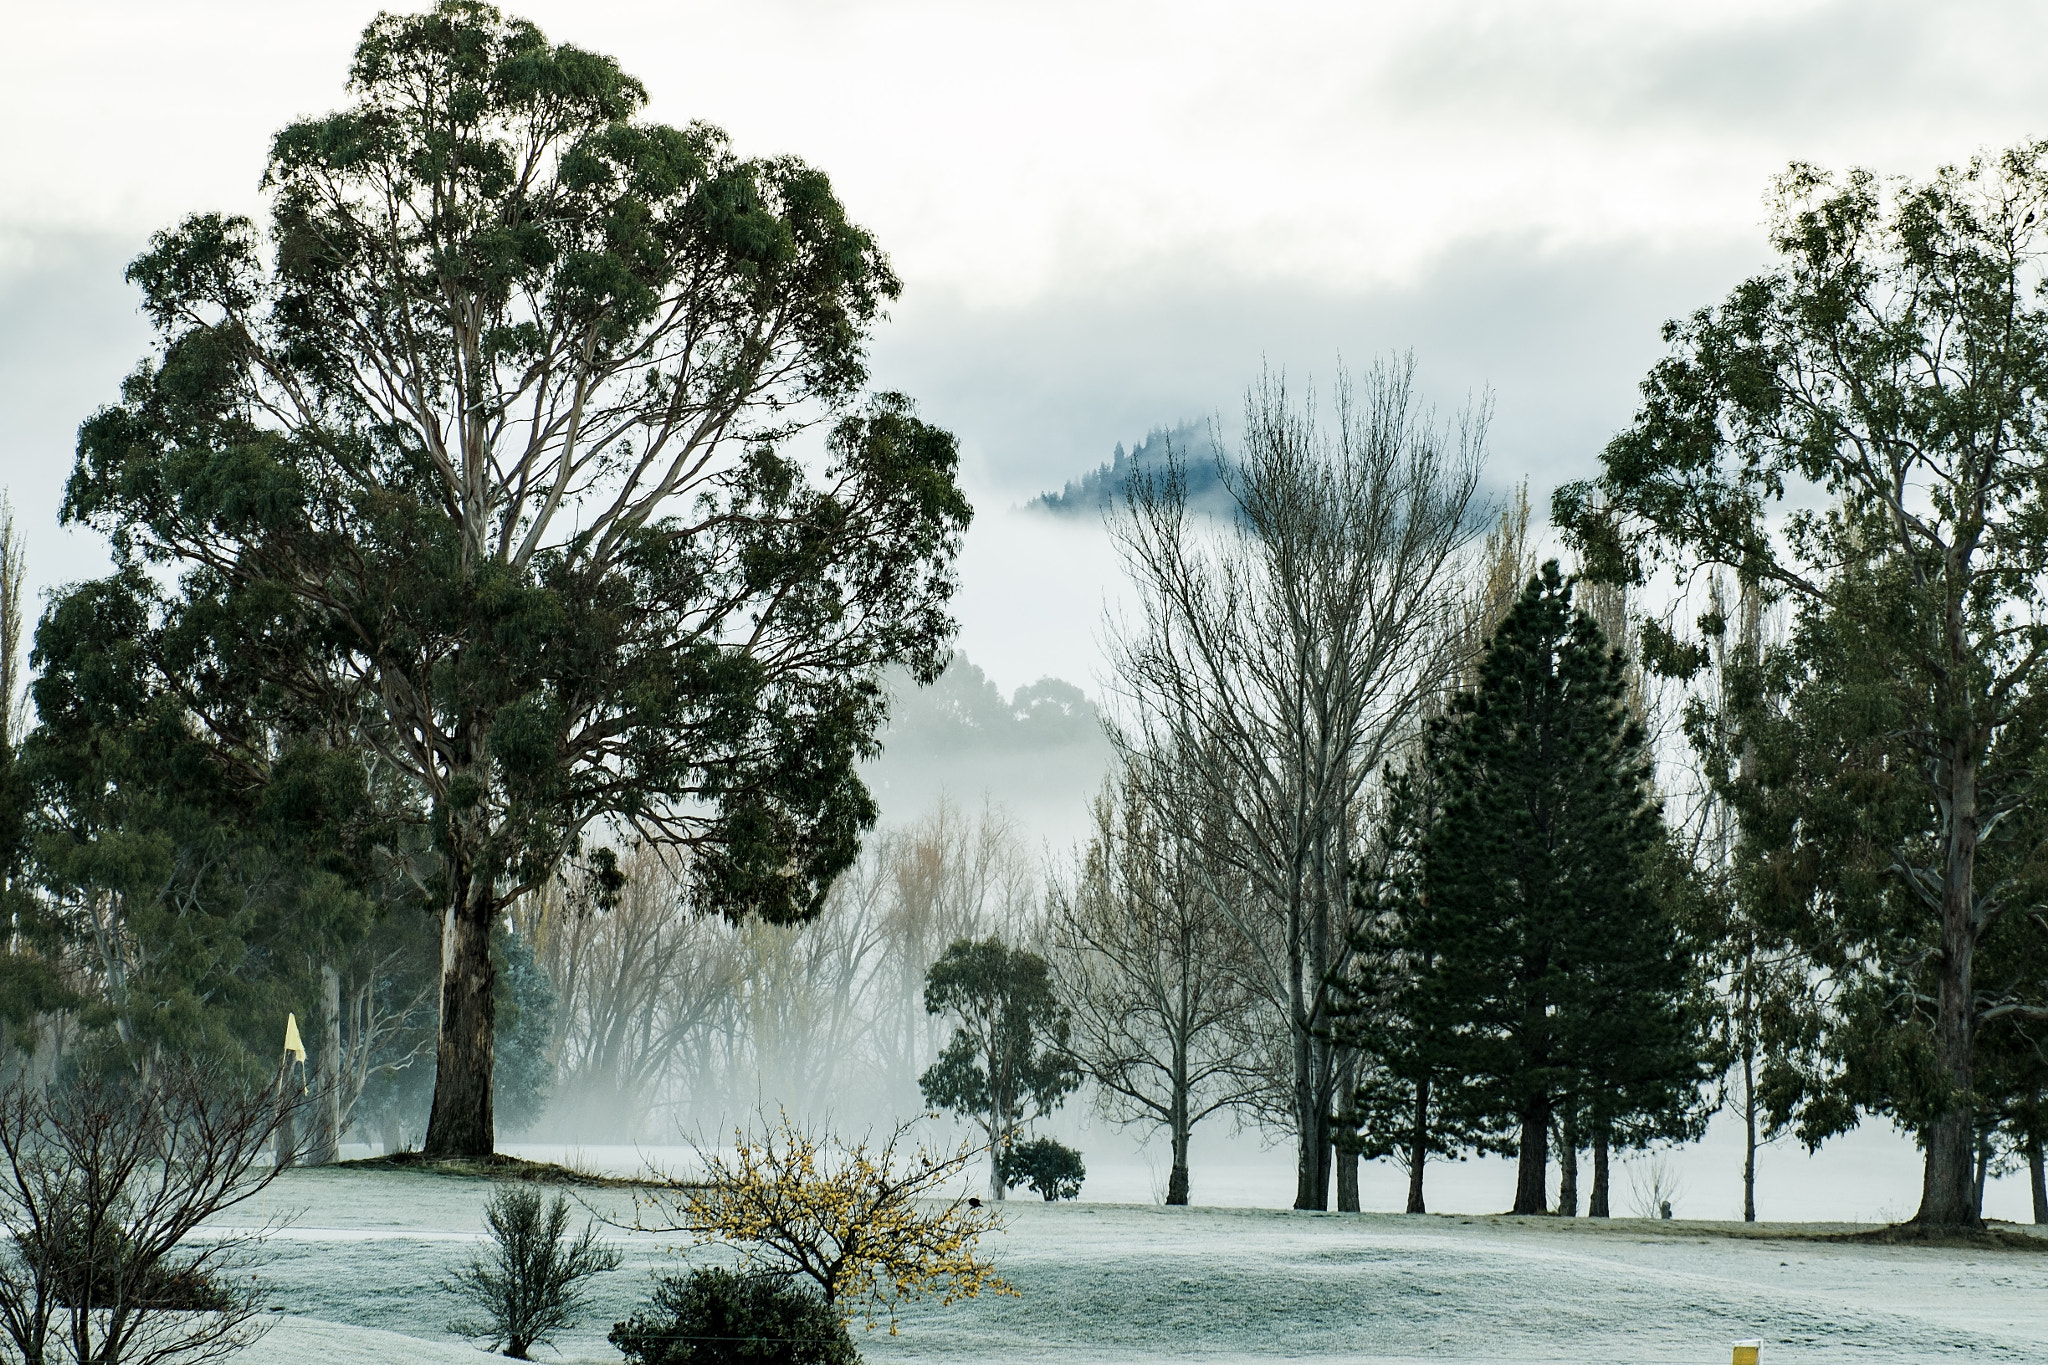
(1106, 215)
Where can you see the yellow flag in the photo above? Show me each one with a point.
(292, 1046)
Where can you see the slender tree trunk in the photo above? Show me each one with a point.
(1948, 1191)
(1347, 1157)
(1000, 1132)
(1749, 1133)
(326, 1145)
(1983, 1168)
(285, 1145)
(1596, 1207)
(2037, 1169)
(1180, 1129)
(1568, 1165)
(1311, 1188)
(1418, 1146)
(1532, 1193)
(461, 1123)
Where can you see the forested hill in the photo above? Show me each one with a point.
(1103, 486)
(1040, 752)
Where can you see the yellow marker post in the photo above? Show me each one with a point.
(1746, 1352)
(294, 1046)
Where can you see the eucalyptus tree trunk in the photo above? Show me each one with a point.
(1948, 1195)
(462, 1122)
(1749, 1132)
(325, 1149)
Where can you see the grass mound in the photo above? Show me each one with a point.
(497, 1166)
(1992, 1236)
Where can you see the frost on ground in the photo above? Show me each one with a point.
(1109, 1283)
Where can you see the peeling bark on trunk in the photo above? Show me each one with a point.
(1532, 1175)
(461, 1124)
(325, 1148)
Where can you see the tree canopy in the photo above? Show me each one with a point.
(487, 441)
(1007, 1060)
(1860, 431)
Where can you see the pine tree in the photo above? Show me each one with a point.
(1409, 1104)
(1550, 953)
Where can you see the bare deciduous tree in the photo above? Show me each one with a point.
(1291, 650)
(103, 1184)
(637, 980)
(1147, 966)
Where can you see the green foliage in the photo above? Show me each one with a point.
(717, 1317)
(1006, 1062)
(483, 445)
(524, 1075)
(532, 1283)
(1051, 1168)
(1895, 362)
(1542, 956)
(204, 841)
(1411, 1103)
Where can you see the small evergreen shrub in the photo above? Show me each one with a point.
(717, 1317)
(1049, 1167)
(530, 1283)
(111, 1273)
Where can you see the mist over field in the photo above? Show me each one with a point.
(1483, 794)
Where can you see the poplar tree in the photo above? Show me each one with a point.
(487, 442)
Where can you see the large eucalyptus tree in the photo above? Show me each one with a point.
(487, 441)
(1864, 431)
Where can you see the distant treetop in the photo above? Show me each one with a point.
(1103, 487)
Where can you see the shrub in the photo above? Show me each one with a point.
(104, 1182)
(530, 1284)
(93, 1262)
(863, 1223)
(716, 1317)
(1052, 1169)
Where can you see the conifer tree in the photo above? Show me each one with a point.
(1551, 959)
(1409, 1104)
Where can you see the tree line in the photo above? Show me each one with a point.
(509, 559)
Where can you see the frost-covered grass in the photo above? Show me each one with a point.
(1133, 1283)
